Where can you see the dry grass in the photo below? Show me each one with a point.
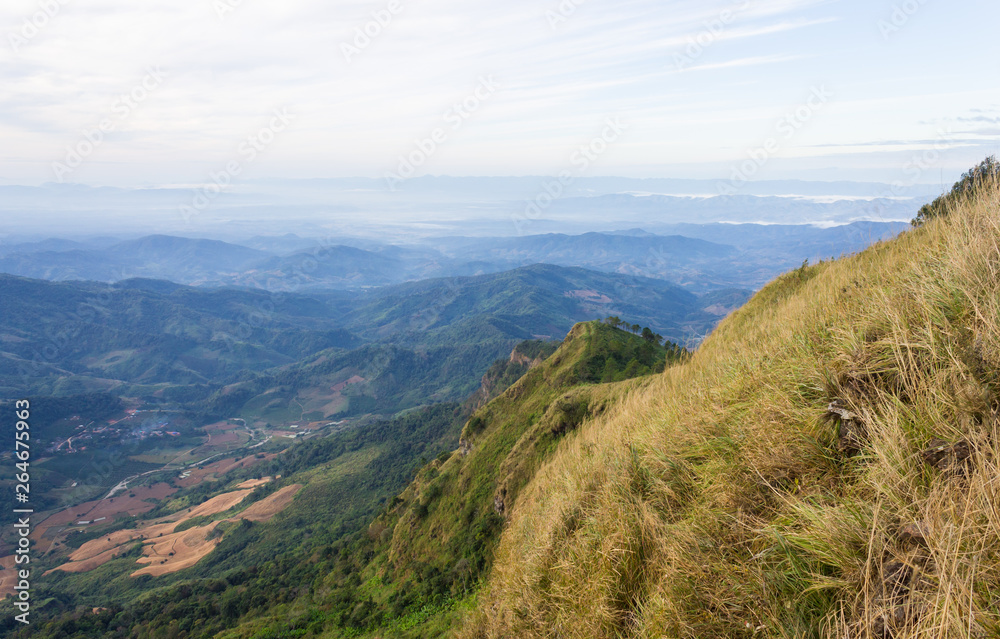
(714, 502)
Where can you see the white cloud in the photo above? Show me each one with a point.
(224, 75)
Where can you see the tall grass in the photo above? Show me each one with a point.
(715, 501)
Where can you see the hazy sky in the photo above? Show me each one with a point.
(878, 90)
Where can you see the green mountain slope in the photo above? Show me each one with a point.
(824, 466)
(167, 342)
(543, 299)
(419, 561)
(322, 566)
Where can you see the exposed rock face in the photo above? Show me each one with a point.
(492, 383)
(519, 358)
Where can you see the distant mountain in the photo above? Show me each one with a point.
(423, 207)
(329, 267)
(51, 244)
(805, 240)
(433, 338)
(159, 256)
(656, 210)
(74, 337)
(602, 251)
(699, 257)
(541, 299)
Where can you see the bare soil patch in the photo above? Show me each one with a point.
(269, 506)
(167, 551)
(177, 551)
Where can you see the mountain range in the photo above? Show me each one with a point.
(700, 257)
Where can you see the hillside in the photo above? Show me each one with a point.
(418, 564)
(542, 299)
(341, 555)
(824, 466)
(820, 467)
(284, 356)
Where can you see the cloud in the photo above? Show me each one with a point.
(227, 70)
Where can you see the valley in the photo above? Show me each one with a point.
(360, 448)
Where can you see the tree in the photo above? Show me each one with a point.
(986, 172)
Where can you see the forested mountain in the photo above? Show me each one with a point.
(141, 337)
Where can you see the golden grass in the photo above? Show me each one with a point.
(713, 501)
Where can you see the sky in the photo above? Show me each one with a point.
(184, 92)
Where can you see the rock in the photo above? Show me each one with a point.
(896, 577)
(948, 457)
(850, 433)
(498, 502)
(914, 534)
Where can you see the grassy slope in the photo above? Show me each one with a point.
(415, 571)
(452, 511)
(713, 501)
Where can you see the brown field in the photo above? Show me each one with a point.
(8, 577)
(229, 437)
(167, 551)
(92, 562)
(218, 504)
(177, 551)
(108, 508)
(219, 468)
(357, 379)
(270, 506)
(155, 530)
(253, 483)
